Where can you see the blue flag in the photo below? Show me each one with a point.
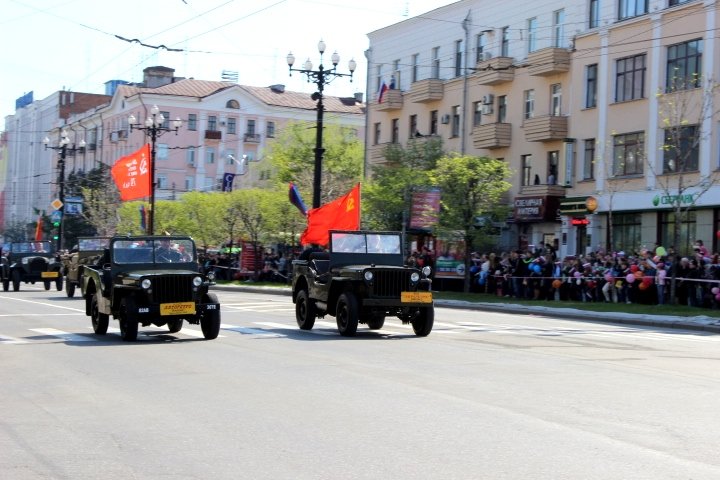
(228, 182)
(296, 199)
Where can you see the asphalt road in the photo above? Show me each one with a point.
(486, 396)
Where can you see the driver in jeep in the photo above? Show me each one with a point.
(165, 253)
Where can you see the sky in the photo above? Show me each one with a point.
(50, 45)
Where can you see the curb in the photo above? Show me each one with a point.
(697, 323)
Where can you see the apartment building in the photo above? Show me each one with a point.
(561, 91)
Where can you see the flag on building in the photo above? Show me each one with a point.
(228, 182)
(132, 174)
(340, 214)
(296, 199)
(143, 218)
(381, 92)
(39, 229)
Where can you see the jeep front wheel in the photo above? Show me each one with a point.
(347, 315)
(128, 326)
(305, 311)
(423, 322)
(100, 321)
(376, 321)
(210, 321)
(47, 285)
(59, 284)
(6, 284)
(69, 288)
(175, 325)
(16, 275)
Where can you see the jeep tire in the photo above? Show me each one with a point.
(69, 289)
(6, 284)
(375, 321)
(175, 326)
(100, 321)
(346, 314)
(423, 322)
(46, 284)
(16, 277)
(128, 326)
(305, 310)
(210, 320)
(59, 284)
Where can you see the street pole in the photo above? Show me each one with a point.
(320, 77)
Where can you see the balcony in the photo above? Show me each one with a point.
(546, 128)
(492, 135)
(549, 61)
(543, 190)
(376, 154)
(213, 135)
(428, 90)
(392, 100)
(252, 138)
(495, 71)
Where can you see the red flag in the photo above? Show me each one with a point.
(340, 214)
(39, 230)
(132, 174)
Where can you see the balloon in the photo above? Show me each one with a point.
(715, 290)
(717, 234)
(557, 283)
(591, 284)
(717, 297)
(630, 278)
(638, 274)
(633, 268)
(577, 274)
(643, 286)
(578, 282)
(648, 280)
(536, 268)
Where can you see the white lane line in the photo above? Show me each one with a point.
(288, 327)
(251, 331)
(70, 337)
(39, 315)
(269, 308)
(53, 305)
(11, 340)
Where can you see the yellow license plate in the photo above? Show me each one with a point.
(48, 274)
(180, 308)
(416, 297)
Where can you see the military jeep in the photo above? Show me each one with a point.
(30, 262)
(362, 279)
(150, 280)
(88, 251)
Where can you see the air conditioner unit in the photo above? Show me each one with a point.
(122, 134)
(486, 56)
(445, 119)
(487, 109)
(488, 99)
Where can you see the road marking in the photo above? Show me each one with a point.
(70, 337)
(290, 327)
(254, 308)
(53, 305)
(251, 331)
(11, 340)
(39, 315)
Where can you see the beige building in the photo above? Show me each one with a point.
(566, 93)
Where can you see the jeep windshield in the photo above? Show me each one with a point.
(156, 250)
(31, 247)
(360, 242)
(92, 244)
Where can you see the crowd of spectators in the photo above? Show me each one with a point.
(271, 267)
(634, 277)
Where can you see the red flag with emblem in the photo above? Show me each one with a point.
(340, 214)
(132, 174)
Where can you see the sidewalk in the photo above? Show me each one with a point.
(698, 322)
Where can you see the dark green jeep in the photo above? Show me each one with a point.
(88, 251)
(30, 262)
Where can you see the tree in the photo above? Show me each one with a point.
(15, 231)
(470, 187)
(100, 199)
(252, 208)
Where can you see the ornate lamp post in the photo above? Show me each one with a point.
(63, 148)
(153, 128)
(320, 77)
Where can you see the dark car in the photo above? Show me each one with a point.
(362, 279)
(30, 262)
(150, 280)
(88, 251)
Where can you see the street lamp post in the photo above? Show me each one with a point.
(63, 148)
(153, 128)
(320, 77)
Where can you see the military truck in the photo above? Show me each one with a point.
(150, 280)
(88, 251)
(30, 262)
(362, 279)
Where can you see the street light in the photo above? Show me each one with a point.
(153, 128)
(320, 77)
(64, 150)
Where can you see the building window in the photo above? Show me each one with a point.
(434, 122)
(251, 127)
(480, 41)
(628, 154)
(684, 66)
(556, 100)
(395, 79)
(413, 126)
(632, 8)
(378, 77)
(677, 2)
(477, 113)
(234, 104)
(192, 121)
(458, 57)
(395, 130)
(161, 151)
(626, 232)
(505, 42)
(162, 182)
(190, 156)
(166, 119)
(558, 40)
(435, 63)
(532, 34)
(189, 184)
(455, 121)
(270, 130)
(209, 155)
(681, 149)
(212, 123)
(688, 224)
(502, 109)
(591, 85)
(231, 125)
(529, 109)
(589, 160)
(376, 134)
(525, 162)
(630, 78)
(594, 14)
(414, 69)
(553, 161)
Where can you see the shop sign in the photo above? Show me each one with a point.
(687, 199)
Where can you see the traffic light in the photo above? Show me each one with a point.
(56, 224)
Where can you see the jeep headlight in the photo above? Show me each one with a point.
(197, 281)
(146, 283)
(368, 275)
(414, 277)
(51, 260)
(427, 271)
(24, 260)
(211, 276)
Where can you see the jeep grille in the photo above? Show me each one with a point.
(38, 264)
(172, 288)
(389, 283)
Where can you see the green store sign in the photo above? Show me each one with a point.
(688, 198)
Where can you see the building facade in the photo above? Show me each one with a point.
(574, 96)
